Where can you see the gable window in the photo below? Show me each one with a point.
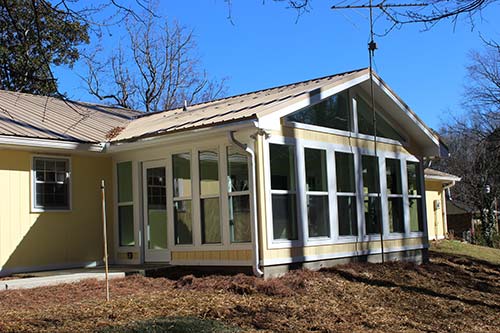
(125, 204)
(332, 112)
(346, 194)
(209, 196)
(371, 194)
(283, 191)
(183, 220)
(394, 195)
(238, 196)
(317, 193)
(51, 178)
(365, 122)
(415, 196)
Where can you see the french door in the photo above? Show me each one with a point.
(155, 243)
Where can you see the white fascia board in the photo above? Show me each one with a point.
(272, 120)
(10, 141)
(408, 113)
(179, 136)
(443, 178)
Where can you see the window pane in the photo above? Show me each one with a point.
(126, 225)
(416, 221)
(237, 170)
(344, 165)
(396, 217)
(370, 174)
(413, 169)
(316, 178)
(124, 173)
(157, 208)
(284, 216)
(51, 195)
(332, 112)
(183, 223)
(282, 167)
(181, 165)
(365, 122)
(239, 218)
(318, 216)
(372, 215)
(348, 216)
(210, 221)
(209, 172)
(393, 173)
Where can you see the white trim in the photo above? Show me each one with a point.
(308, 258)
(51, 144)
(445, 178)
(34, 209)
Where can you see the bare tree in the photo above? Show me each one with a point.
(474, 139)
(159, 71)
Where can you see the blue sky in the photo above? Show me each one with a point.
(266, 47)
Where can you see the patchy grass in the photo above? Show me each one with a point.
(459, 248)
(449, 294)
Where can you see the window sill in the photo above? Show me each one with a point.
(42, 210)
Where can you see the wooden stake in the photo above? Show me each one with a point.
(105, 238)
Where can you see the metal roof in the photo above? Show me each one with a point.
(234, 108)
(42, 117)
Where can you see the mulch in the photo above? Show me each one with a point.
(449, 294)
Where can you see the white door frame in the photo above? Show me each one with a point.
(152, 255)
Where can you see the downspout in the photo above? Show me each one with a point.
(255, 228)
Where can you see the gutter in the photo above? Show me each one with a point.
(51, 144)
(255, 228)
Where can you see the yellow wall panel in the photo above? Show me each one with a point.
(435, 222)
(38, 239)
(214, 255)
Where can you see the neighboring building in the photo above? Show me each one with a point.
(281, 177)
(436, 184)
(460, 219)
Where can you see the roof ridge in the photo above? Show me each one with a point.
(255, 91)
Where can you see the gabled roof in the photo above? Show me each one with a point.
(234, 108)
(41, 117)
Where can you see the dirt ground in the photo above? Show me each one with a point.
(450, 294)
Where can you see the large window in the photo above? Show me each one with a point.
(51, 183)
(125, 204)
(238, 196)
(394, 195)
(332, 112)
(371, 191)
(317, 193)
(183, 218)
(415, 196)
(283, 191)
(346, 194)
(365, 122)
(209, 197)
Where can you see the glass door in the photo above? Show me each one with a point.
(155, 212)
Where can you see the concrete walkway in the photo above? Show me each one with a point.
(52, 280)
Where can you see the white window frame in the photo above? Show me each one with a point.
(135, 211)
(348, 238)
(231, 194)
(219, 196)
(420, 199)
(33, 183)
(388, 196)
(317, 193)
(171, 198)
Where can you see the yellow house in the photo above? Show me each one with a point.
(291, 176)
(436, 184)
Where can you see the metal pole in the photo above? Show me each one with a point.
(105, 238)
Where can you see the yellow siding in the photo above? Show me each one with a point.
(222, 256)
(339, 249)
(436, 224)
(50, 239)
